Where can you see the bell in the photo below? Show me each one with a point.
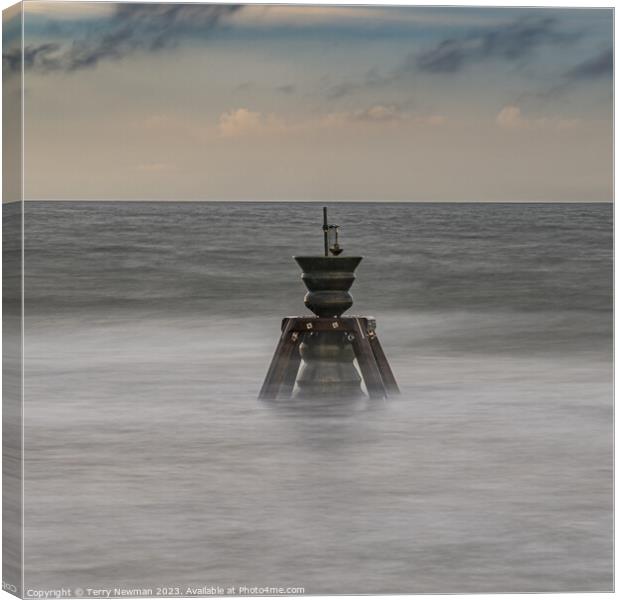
(335, 249)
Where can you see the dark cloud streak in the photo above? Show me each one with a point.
(510, 42)
(34, 56)
(288, 88)
(601, 65)
(596, 68)
(132, 28)
(372, 80)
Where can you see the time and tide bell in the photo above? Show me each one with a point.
(316, 354)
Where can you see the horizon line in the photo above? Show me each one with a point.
(205, 201)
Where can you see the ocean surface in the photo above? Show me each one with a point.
(150, 463)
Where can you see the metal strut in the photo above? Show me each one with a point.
(374, 367)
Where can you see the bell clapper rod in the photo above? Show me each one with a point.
(325, 231)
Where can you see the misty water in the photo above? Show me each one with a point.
(149, 461)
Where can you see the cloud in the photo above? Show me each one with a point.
(601, 65)
(34, 57)
(244, 122)
(597, 68)
(131, 28)
(372, 79)
(286, 89)
(381, 114)
(511, 118)
(62, 10)
(510, 42)
(357, 15)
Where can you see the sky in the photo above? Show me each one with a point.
(282, 102)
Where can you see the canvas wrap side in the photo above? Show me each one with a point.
(12, 303)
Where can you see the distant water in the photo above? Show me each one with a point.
(149, 461)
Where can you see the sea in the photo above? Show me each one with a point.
(151, 464)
